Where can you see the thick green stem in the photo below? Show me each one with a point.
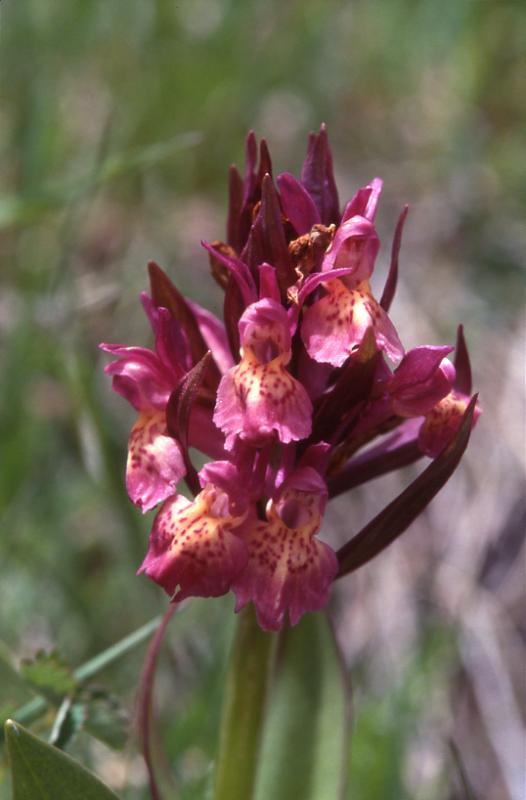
(243, 710)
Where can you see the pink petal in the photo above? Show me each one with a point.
(155, 462)
(306, 478)
(365, 201)
(170, 344)
(418, 366)
(265, 322)
(268, 283)
(354, 246)
(193, 549)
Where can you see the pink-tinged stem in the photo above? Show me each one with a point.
(243, 709)
(145, 699)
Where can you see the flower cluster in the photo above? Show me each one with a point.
(287, 396)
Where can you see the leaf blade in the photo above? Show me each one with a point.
(42, 772)
(305, 744)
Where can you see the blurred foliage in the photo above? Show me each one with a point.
(118, 121)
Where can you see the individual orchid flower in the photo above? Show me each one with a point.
(423, 377)
(195, 548)
(424, 399)
(335, 324)
(259, 396)
(289, 397)
(146, 379)
(443, 421)
(289, 569)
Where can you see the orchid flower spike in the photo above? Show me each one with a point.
(285, 397)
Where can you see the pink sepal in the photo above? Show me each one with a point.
(143, 377)
(238, 270)
(297, 203)
(423, 377)
(365, 201)
(214, 334)
(138, 376)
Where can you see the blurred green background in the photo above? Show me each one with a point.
(118, 121)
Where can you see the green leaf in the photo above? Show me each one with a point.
(48, 675)
(41, 772)
(305, 743)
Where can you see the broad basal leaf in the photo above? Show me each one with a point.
(41, 772)
(305, 743)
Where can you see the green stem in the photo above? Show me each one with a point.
(243, 709)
